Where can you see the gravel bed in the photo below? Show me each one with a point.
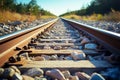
(13, 73)
(61, 30)
(110, 26)
(11, 27)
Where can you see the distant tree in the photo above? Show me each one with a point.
(103, 6)
(99, 7)
(21, 8)
(80, 12)
(33, 8)
(1, 4)
(44, 12)
(8, 5)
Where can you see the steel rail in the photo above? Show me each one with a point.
(110, 40)
(19, 39)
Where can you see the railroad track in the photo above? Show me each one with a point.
(48, 51)
(19, 39)
(109, 39)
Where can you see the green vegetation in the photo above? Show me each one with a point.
(99, 10)
(11, 10)
(71, 16)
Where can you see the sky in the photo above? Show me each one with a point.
(59, 7)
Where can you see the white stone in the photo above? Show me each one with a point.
(15, 69)
(1, 72)
(17, 76)
(91, 46)
(78, 56)
(27, 77)
(66, 74)
(73, 78)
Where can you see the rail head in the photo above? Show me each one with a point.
(95, 28)
(110, 40)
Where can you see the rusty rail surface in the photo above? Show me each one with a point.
(19, 39)
(110, 40)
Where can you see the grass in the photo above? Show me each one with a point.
(93, 17)
(112, 16)
(6, 16)
(72, 16)
(46, 17)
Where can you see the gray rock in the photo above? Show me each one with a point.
(91, 46)
(82, 75)
(54, 57)
(56, 74)
(84, 40)
(68, 58)
(34, 72)
(96, 76)
(46, 57)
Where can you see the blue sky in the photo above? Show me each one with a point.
(58, 7)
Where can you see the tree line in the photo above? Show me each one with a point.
(32, 8)
(98, 7)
